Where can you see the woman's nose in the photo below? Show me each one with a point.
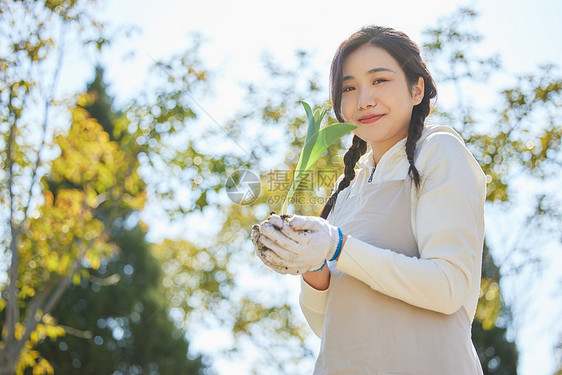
(366, 99)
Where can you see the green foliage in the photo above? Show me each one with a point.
(68, 185)
(517, 144)
(120, 304)
(450, 47)
(65, 238)
(119, 319)
(519, 139)
(73, 230)
(261, 317)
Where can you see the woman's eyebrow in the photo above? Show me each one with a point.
(374, 70)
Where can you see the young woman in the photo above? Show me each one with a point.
(391, 269)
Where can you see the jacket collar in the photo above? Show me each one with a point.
(366, 161)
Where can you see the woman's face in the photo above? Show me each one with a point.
(376, 98)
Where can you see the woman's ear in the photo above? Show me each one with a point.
(418, 91)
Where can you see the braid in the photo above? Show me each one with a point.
(356, 150)
(414, 133)
(419, 113)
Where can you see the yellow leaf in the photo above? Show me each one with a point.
(43, 367)
(91, 198)
(49, 198)
(94, 260)
(20, 329)
(27, 359)
(85, 100)
(55, 331)
(48, 319)
(489, 304)
(34, 337)
(26, 291)
(52, 262)
(64, 264)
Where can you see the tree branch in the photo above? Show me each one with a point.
(50, 95)
(12, 310)
(76, 332)
(33, 318)
(107, 281)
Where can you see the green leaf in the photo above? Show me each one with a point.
(313, 125)
(316, 142)
(320, 142)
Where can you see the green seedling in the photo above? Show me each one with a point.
(315, 143)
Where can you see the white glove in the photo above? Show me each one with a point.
(268, 257)
(297, 243)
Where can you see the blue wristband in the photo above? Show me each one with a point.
(323, 264)
(338, 249)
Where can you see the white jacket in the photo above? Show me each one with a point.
(447, 221)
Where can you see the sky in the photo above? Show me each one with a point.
(237, 33)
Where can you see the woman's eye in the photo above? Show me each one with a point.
(378, 80)
(348, 88)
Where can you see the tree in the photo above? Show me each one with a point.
(62, 230)
(52, 240)
(65, 239)
(117, 320)
(503, 154)
(449, 49)
(558, 362)
(205, 279)
(512, 146)
(69, 236)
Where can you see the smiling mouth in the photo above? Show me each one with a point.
(370, 119)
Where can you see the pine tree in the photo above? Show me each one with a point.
(117, 320)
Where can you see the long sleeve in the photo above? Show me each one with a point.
(313, 305)
(313, 301)
(449, 229)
